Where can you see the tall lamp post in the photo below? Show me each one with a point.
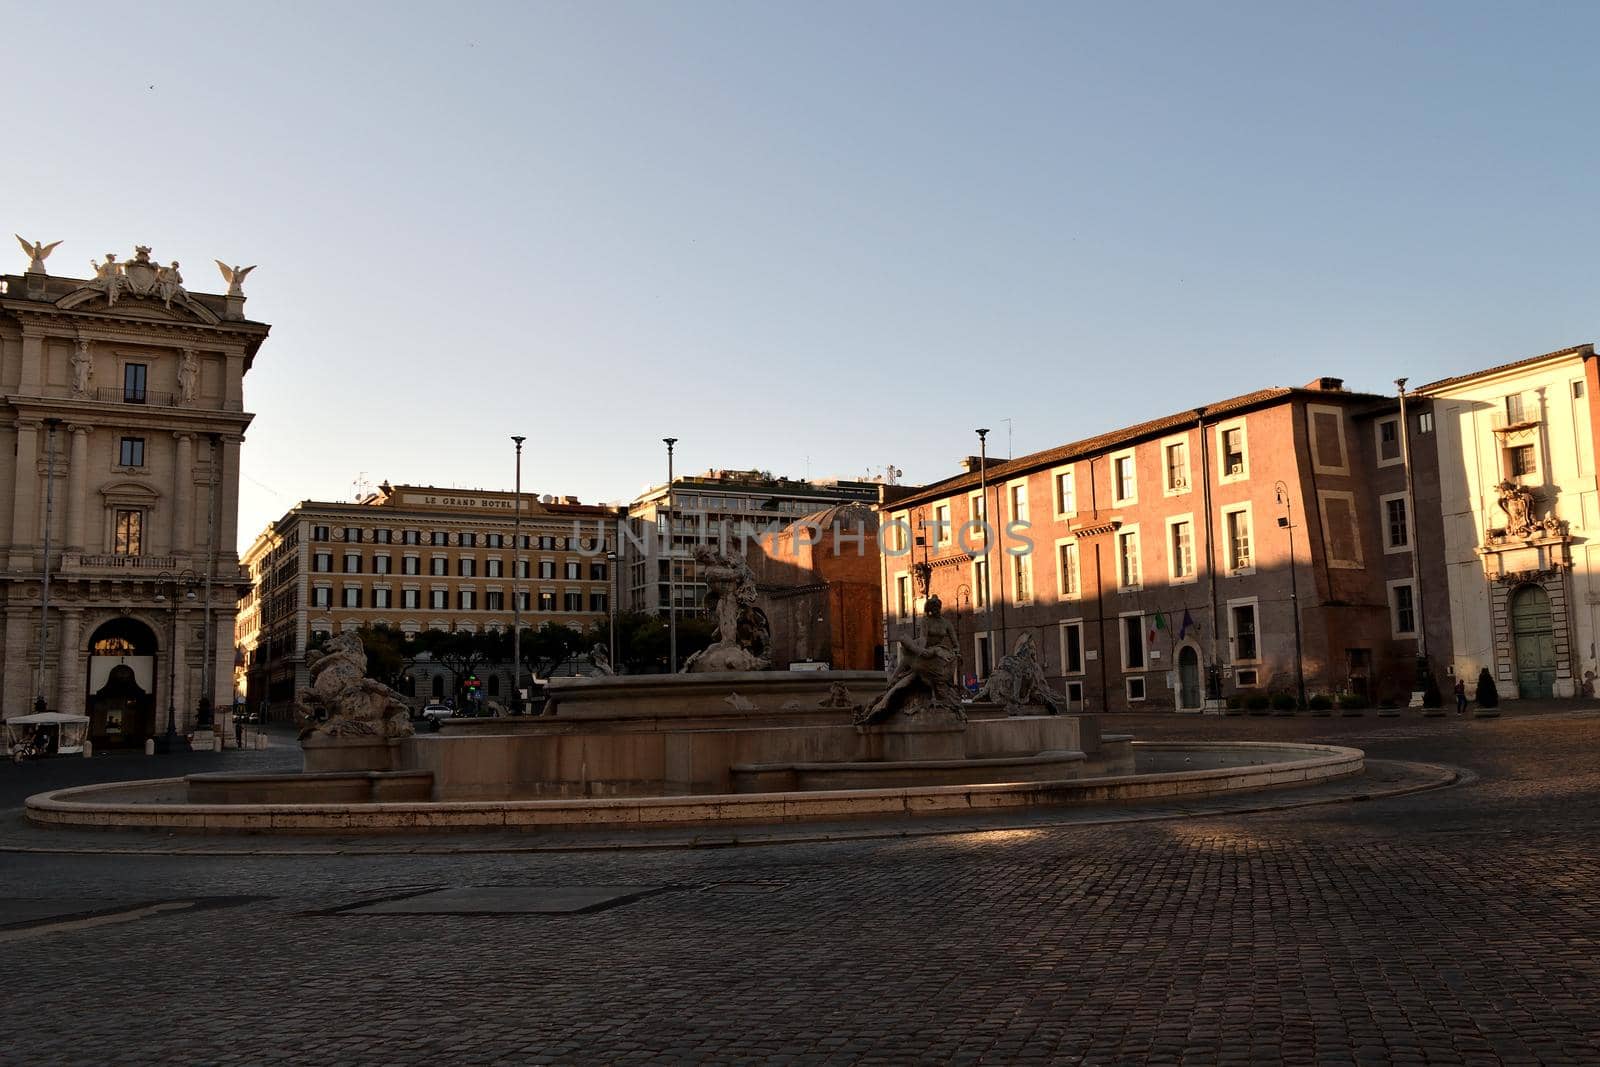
(1424, 680)
(611, 602)
(672, 590)
(516, 593)
(1286, 520)
(988, 538)
(188, 581)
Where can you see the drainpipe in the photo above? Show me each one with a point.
(1099, 589)
(1214, 669)
(1424, 669)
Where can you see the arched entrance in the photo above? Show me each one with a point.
(1534, 640)
(121, 684)
(1189, 694)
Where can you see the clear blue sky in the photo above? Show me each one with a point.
(842, 234)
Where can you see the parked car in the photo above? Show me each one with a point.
(435, 712)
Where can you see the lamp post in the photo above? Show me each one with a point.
(672, 591)
(516, 593)
(186, 580)
(611, 602)
(1286, 521)
(988, 539)
(1424, 680)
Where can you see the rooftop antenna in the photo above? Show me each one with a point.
(892, 473)
(1008, 437)
(361, 487)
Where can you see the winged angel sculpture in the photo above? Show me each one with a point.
(234, 276)
(37, 253)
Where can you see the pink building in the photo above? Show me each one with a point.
(1161, 565)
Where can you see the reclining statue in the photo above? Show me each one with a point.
(1018, 682)
(922, 679)
(342, 701)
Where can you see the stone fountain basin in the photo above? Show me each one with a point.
(1225, 768)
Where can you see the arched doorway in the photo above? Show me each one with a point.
(1534, 640)
(1189, 696)
(121, 684)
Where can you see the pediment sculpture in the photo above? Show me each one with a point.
(137, 277)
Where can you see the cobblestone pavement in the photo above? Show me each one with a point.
(1451, 926)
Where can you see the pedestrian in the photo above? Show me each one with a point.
(1461, 697)
(238, 727)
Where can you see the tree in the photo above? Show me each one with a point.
(390, 653)
(551, 645)
(458, 651)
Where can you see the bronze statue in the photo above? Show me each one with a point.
(925, 670)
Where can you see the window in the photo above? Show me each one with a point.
(597, 602)
(1124, 484)
(1135, 689)
(494, 601)
(466, 600)
(493, 540)
(1066, 493)
(411, 537)
(128, 539)
(1017, 494)
(571, 601)
(319, 533)
(1515, 410)
(1022, 579)
(978, 508)
(547, 601)
(597, 572)
(1180, 548)
(381, 598)
(1577, 390)
(1403, 609)
(547, 568)
(492, 568)
(381, 564)
(1242, 620)
(1072, 647)
(1396, 527)
(1128, 559)
(322, 596)
(981, 657)
(1520, 461)
(438, 537)
(352, 596)
(1247, 679)
(467, 567)
(1425, 422)
(352, 563)
(522, 568)
(133, 381)
(411, 598)
(439, 566)
(523, 600)
(131, 453)
(941, 524)
(547, 542)
(411, 565)
(572, 570)
(383, 537)
(1175, 465)
(322, 561)
(980, 583)
(1388, 442)
(1236, 539)
(1231, 453)
(352, 534)
(1133, 656)
(468, 540)
(439, 598)
(902, 592)
(1067, 568)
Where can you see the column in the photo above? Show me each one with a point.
(70, 665)
(17, 681)
(78, 478)
(177, 679)
(25, 506)
(228, 501)
(182, 494)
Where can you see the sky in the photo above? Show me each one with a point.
(819, 239)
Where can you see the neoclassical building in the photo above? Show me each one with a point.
(1521, 521)
(122, 417)
(418, 557)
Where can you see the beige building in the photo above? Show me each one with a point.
(119, 459)
(415, 558)
(1521, 518)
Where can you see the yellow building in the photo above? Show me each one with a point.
(416, 558)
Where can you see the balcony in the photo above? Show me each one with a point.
(143, 397)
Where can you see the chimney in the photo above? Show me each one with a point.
(569, 500)
(1326, 385)
(971, 463)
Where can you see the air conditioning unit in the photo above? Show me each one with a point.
(1235, 468)
(1242, 562)
(1180, 483)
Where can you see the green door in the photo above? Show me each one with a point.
(1188, 678)
(1535, 642)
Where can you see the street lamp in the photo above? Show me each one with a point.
(1424, 680)
(672, 592)
(516, 594)
(611, 601)
(988, 539)
(187, 580)
(1286, 520)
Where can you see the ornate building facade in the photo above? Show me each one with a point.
(1521, 522)
(120, 431)
(415, 558)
